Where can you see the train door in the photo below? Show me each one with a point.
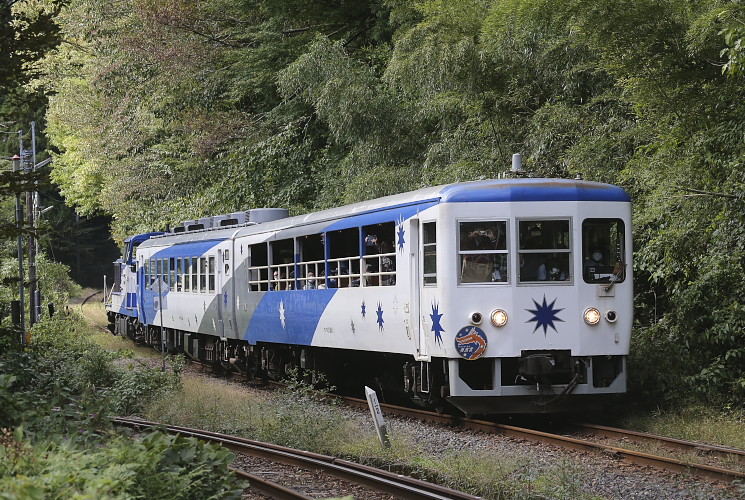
(216, 269)
(128, 282)
(226, 290)
(416, 331)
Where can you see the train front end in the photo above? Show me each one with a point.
(530, 306)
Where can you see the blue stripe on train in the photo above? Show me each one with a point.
(196, 249)
(289, 317)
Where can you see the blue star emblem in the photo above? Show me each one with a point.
(544, 315)
(436, 326)
(380, 316)
(363, 309)
(401, 233)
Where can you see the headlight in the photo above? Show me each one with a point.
(498, 318)
(592, 316)
(611, 316)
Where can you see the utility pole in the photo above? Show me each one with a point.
(31, 212)
(19, 224)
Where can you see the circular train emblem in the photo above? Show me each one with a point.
(470, 342)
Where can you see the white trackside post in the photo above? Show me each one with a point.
(377, 414)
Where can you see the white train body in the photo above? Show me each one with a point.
(436, 279)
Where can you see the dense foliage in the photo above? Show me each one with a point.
(162, 111)
(56, 440)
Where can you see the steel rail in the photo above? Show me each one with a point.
(269, 488)
(629, 456)
(673, 443)
(402, 487)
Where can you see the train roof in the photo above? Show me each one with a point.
(495, 190)
(380, 209)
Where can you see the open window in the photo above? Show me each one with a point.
(258, 273)
(282, 265)
(312, 263)
(344, 258)
(379, 258)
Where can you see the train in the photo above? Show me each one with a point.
(509, 295)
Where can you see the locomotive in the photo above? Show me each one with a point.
(497, 296)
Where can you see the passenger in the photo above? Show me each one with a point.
(343, 275)
(555, 272)
(333, 281)
(387, 263)
(480, 268)
(532, 267)
(275, 284)
(592, 265)
(310, 282)
(322, 280)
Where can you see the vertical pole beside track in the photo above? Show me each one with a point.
(17, 166)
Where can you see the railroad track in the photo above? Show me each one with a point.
(401, 487)
(567, 439)
(598, 432)
(717, 473)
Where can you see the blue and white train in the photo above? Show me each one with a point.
(497, 296)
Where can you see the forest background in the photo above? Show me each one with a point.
(159, 111)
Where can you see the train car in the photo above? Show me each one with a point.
(497, 296)
(121, 303)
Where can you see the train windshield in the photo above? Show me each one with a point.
(603, 248)
(545, 250)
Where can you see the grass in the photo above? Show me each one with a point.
(694, 423)
(283, 418)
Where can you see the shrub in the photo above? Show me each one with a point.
(157, 466)
(137, 385)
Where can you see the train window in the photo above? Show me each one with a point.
(429, 250)
(312, 264)
(194, 275)
(179, 277)
(172, 273)
(603, 248)
(544, 250)
(153, 273)
(187, 274)
(379, 257)
(344, 258)
(164, 274)
(258, 273)
(202, 275)
(146, 266)
(211, 274)
(282, 265)
(482, 251)
(158, 274)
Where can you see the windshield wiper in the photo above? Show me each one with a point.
(616, 277)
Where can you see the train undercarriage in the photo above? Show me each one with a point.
(536, 382)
